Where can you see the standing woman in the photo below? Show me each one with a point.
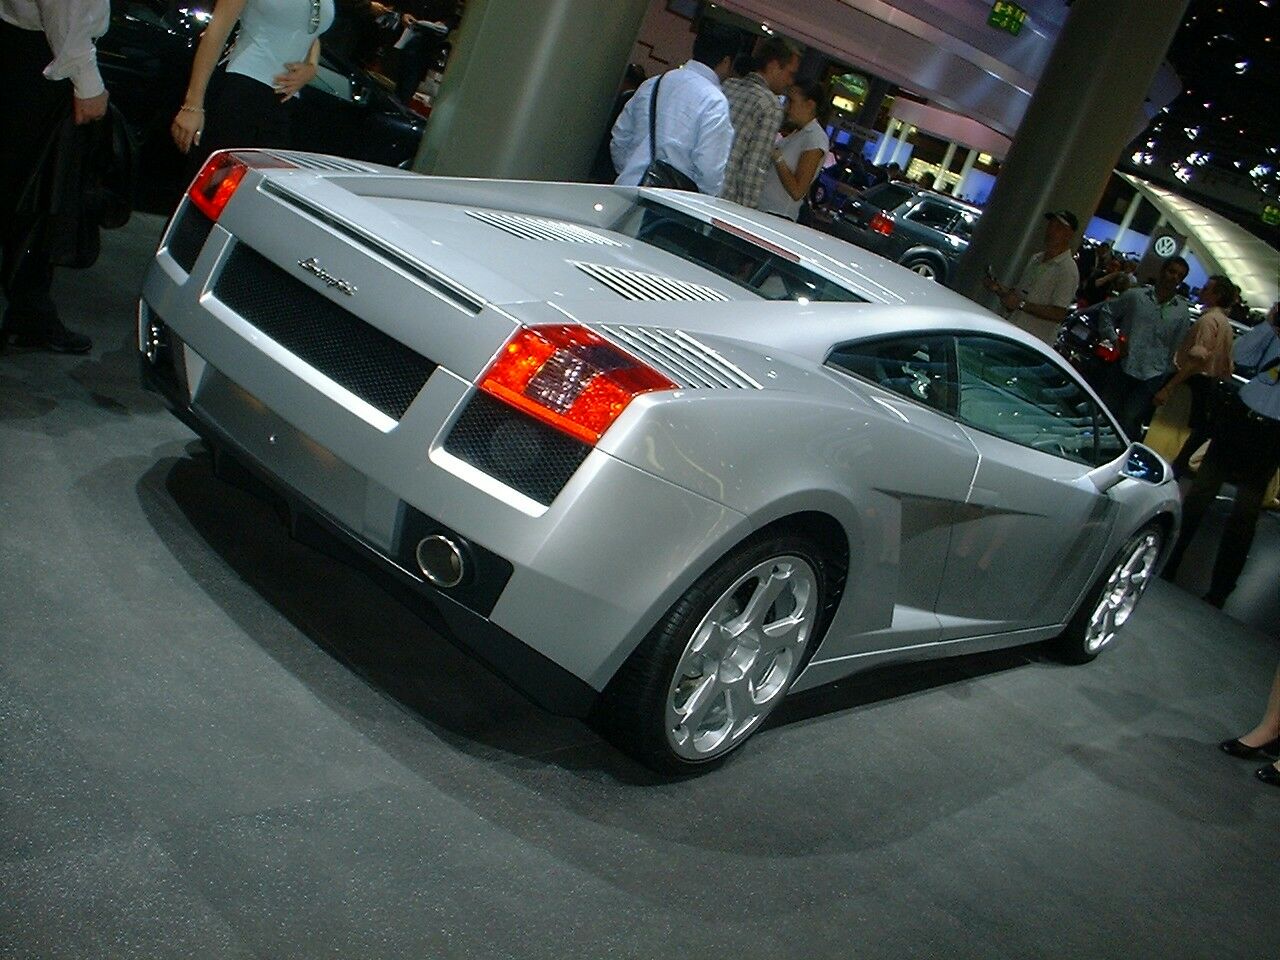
(274, 56)
(798, 158)
(1203, 356)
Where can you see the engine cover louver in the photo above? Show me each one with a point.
(683, 358)
(637, 285)
(541, 228)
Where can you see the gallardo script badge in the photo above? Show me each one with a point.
(312, 266)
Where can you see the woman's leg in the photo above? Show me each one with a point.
(1268, 727)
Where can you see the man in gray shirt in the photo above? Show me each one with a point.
(1152, 320)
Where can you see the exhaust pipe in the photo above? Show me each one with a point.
(441, 560)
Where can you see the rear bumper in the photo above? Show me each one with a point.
(539, 678)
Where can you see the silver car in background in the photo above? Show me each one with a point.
(656, 459)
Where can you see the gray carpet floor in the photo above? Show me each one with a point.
(216, 742)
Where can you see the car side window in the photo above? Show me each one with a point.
(919, 367)
(930, 213)
(1012, 391)
(963, 227)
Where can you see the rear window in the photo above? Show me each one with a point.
(767, 274)
(886, 196)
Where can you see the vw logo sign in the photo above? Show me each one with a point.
(1166, 246)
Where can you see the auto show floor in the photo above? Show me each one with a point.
(216, 742)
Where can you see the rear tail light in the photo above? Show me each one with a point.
(1110, 352)
(221, 174)
(882, 224)
(570, 378)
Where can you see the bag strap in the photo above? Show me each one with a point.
(653, 120)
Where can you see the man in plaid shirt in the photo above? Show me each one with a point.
(757, 118)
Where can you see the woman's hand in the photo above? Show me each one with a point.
(186, 128)
(295, 77)
(1161, 397)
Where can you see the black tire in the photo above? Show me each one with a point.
(632, 711)
(931, 268)
(1078, 643)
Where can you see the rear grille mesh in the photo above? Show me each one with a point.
(685, 359)
(378, 369)
(637, 285)
(187, 237)
(540, 228)
(510, 446)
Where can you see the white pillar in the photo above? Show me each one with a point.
(901, 148)
(940, 179)
(1127, 220)
(882, 148)
(969, 161)
(946, 165)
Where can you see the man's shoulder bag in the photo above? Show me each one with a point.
(660, 173)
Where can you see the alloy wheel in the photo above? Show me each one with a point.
(1123, 588)
(741, 657)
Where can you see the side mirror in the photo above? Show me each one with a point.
(1139, 463)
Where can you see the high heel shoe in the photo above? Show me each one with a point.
(1242, 751)
(1268, 774)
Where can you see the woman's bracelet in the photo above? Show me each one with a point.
(187, 108)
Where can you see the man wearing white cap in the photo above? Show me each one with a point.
(1046, 291)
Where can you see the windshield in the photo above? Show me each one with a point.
(773, 276)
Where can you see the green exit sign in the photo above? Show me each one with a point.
(1271, 215)
(1007, 16)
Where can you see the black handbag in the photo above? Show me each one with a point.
(660, 173)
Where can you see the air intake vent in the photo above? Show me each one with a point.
(683, 358)
(312, 161)
(635, 285)
(540, 228)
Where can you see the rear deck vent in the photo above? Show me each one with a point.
(637, 285)
(315, 161)
(683, 358)
(540, 228)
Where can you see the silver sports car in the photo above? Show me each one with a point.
(655, 458)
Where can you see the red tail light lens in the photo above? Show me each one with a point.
(570, 378)
(1110, 352)
(882, 224)
(221, 174)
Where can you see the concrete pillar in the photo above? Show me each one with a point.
(900, 148)
(529, 88)
(1127, 220)
(882, 148)
(877, 89)
(945, 166)
(967, 169)
(1079, 119)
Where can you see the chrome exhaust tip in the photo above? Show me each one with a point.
(441, 560)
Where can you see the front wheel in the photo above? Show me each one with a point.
(1112, 599)
(721, 659)
(926, 267)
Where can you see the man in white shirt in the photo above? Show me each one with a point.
(693, 131)
(46, 56)
(1046, 291)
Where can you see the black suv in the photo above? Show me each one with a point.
(922, 230)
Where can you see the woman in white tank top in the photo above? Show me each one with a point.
(274, 57)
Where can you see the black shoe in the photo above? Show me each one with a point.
(51, 336)
(1242, 751)
(1268, 774)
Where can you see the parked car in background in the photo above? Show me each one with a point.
(924, 231)
(146, 56)
(840, 182)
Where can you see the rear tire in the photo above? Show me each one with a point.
(925, 266)
(1112, 598)
(721, 659)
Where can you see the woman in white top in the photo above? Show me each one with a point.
(798, 158)
(274, 56)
